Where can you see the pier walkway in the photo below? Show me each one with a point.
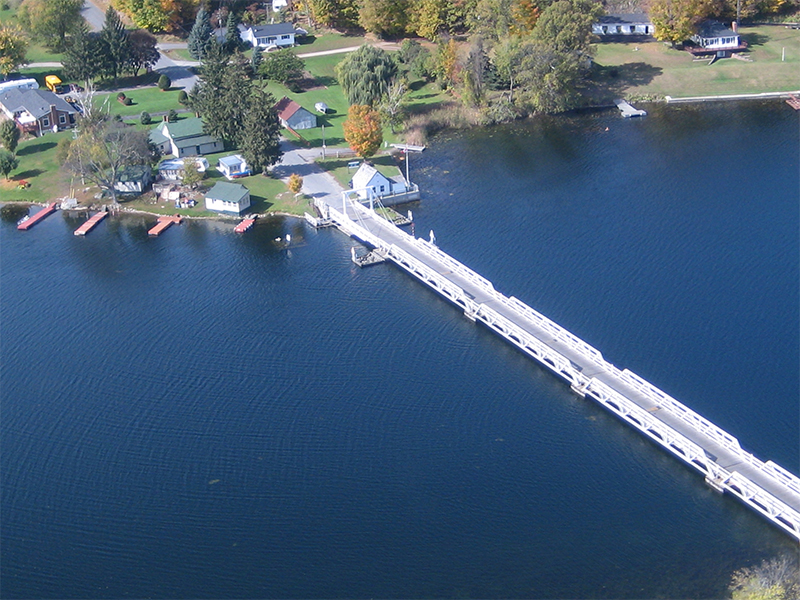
(91, 223)
(28, 222)
(764, 486)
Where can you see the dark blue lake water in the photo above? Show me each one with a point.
(206, 415)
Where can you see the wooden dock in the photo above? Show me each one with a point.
(91, 223)
(245, 225)
(28, 222)
(629, 111)
(365, 260)
(793, 101)
(163, 224)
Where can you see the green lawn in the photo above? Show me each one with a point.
(654, 70)
(36, 52)
(37, 165)
(320, 42)
(343, 174)
(150, 99)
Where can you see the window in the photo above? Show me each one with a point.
(284, 37)
(46, 122)
(62, 119)
(605, 28)
(619, 28)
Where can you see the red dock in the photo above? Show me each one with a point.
(163, 224)
(29, 222)
(793, 101)
(245, 225)
(91, 223)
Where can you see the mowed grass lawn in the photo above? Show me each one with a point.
(37, 166)
(655, 70)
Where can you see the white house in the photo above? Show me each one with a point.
(368, 176)
(228, 197)
(233, 166)
(623, 24)
(281, 35)
(277, 5)
(172, 169)
(713, 35)
(184, 138)
(294, 116)
(134, 179)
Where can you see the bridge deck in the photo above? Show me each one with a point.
(718, 449)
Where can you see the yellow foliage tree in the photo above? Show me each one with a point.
(363, 130)
(12, 49)
(295, 183)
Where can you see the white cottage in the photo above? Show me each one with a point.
(368, 176)
(228, 197)
(134, 179)
(627, 24)
(233, 166)
(714, 36)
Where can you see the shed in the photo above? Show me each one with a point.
(321, 107)
(292, 115)
(171, 169)
(228, 197)
(233, 166)
(368, 176)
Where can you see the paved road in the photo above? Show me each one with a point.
(316, 182)
(93, 15)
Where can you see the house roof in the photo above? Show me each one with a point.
(36, 102)
(714, 29)
(276, 29)
(228, 192)
(176, 164)
(286, 108)
(624, 19)
(197, 140)
(134, 173)
(181, 129)
(365, 174)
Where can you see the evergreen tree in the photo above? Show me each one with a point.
(260, 135)
(233, 40)
(117, 44)
(255, 59)
(8, 162)
(85, 57)
(201, 35)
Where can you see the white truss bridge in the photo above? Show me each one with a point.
(765, 487)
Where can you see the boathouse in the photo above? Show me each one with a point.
(368, 176)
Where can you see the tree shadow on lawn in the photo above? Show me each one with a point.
(755, 39)
(33, 148)
(29, 174)
(615, 80)
(259, 204)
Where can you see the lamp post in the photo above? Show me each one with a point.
(323, 141)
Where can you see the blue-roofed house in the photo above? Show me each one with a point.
(233, 166)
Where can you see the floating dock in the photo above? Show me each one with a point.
(91, 223)
(29, 222)
(629, 111)
(245, 225)
(365, 260)
(163, 224)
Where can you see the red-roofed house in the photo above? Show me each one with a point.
(292, 115)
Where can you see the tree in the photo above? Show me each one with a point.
(145, 118)
(362, 130)
(103, 148)
(164, 83)
(386, 18)
(222, 94)
(295, 183)
(200, 35)
(774, 579)
(340, 14)
(365, 75)
(191, 174)
(282, 65)
(491, 18)
(51, 20)
(143, 51)
(85, 57)
(13, 46)
(566, 26)
(392, 103)
(233, 40)
(116, 42)
(428, 18)
(445, 64)
(260, 145)
(674, 21)
(415, 58)
(256, 59)
(8, 162)
(9, 135)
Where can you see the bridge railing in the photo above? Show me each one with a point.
(455, 266)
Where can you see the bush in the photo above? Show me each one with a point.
(121, 97)
(172, 116)
(164, 83)
(127, 101)
(62, 150)
(145, 118)
(183, 97)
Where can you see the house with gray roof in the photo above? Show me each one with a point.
(37, 111)
(134, 179)
(184, 138)
(619, 24)
(713, 37)
(228, 197)
(280, 35)
(368, 177)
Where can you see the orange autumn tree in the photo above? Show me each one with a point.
(362, 130)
